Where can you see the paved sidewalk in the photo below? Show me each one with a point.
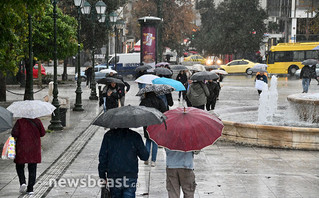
(222, 170)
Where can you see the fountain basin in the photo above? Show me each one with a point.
(267, 135)
(306, 106)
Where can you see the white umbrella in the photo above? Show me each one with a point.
(107, 71)
(198, 67)
(146, 79)
(259, 68)
(31, 109)
(219, 71)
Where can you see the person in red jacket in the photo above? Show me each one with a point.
(27, 133)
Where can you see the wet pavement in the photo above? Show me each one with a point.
(222, 170)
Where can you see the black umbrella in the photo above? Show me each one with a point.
(204, 75)
(6, 118)
(179, 67)
(130, 117)
(143, 68)
(309, 62)
(163, 71)
(109, 80)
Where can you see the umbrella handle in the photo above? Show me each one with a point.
(165, 124)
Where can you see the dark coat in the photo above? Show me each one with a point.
(151, 100)
(213, 88)
(112, 100)
(182, 78)
(305, 72)
(27, 133)
(118, 154)
(262, 78)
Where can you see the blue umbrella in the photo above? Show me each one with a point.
(168, 81)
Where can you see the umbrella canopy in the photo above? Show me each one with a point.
(219, 71)
(161, 64)
(198, 67)
(109, 80)
(107, 71)
(143, 68)
(6, 118)
(130, 117)
(162, 71)
(188, 129)
(309, 62)
(179, 67)
(168, 81)
(157, 89)
(146, 78)
(31, 109)
(204, 75)
(259, 68)
(212, 67)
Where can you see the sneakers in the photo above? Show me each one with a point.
(146, 162)
(153, 164)
(23, 189)
(179, 99)
(30, 193)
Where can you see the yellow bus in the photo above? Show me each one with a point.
(286, 58)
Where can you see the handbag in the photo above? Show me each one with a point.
(9, 151)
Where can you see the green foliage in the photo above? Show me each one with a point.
(234, 27)
(43, 35)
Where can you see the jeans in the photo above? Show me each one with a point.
(154, 148)
(104, 104)
(32, 168)
(124, 188)
(305, 84)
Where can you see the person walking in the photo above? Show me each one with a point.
(118, 161)
(262, 77)
(111, 96)
(27, 133)
(151, 100)
(314, 74)
(180, 174)
(197, 94)
(123, 89)
(305, 75)
(213, 88)
(88, 74)
(182, 77)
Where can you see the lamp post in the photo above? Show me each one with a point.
(55, 118)
(113, 19)
(78, 99)
(119, 26)
(100, 8)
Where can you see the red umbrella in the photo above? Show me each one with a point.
(188, 129)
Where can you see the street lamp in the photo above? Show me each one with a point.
(55, 117)
(100, 8)
(113, 19)
(78, 99)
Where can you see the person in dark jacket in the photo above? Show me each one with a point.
(118, 160)
(122, 90)
(27, 133)
(111, 96)
(314, 74)
(182, 77)
(261, 76)
(213, 88)
(88, 74)
(305, 75)
(151, 100)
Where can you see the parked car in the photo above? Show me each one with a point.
(239, 66)
(297, 74)
(35, 71)
(97, 69)
(195, 59)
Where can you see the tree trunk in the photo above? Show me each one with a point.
(39, 75)
(3, 96)
(65, 68)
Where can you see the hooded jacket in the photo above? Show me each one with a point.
(197, 93)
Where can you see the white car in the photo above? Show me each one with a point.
(297, 74)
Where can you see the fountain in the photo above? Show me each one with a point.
(294, 126)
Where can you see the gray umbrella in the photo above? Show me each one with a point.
(130, 117)
(179, 67)
(6, 118)
(212, 67)
(162, 71)
(157, 89)
(309, 62)
(143, 68)
(204, 75)
(109, 80)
